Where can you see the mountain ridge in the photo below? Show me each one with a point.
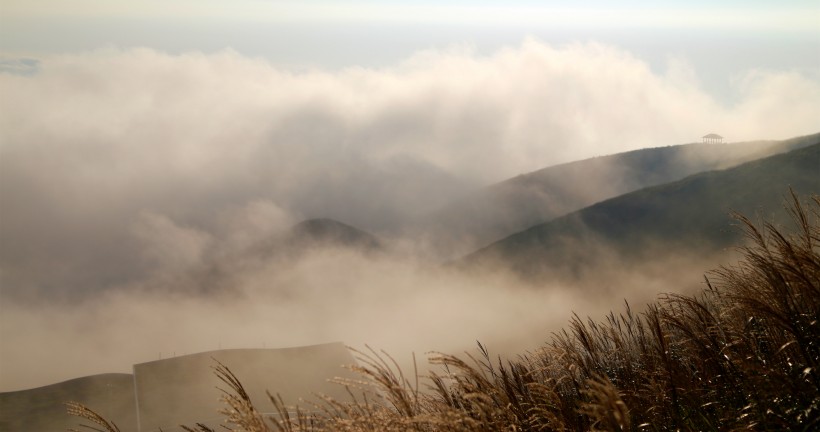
(686, 215)
(528, 199)
(330, 232)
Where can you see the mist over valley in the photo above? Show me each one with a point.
(390, 178)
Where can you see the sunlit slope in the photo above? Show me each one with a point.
(540, 196)
(689, 216)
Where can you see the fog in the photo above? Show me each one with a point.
(327, 295)
(134, 185)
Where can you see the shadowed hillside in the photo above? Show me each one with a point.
(43, 409)
(220, 272)
(689, 216)
(539, 196)
(329, 233)
(313, 234)
(163, 394)
(181, 390)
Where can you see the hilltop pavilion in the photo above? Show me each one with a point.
(712, 138)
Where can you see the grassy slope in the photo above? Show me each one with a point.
(684, 215)
(539, 196)
(742, 355)
(43, 409)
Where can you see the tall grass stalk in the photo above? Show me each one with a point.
(741, 355)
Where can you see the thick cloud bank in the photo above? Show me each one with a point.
(127, 169)
(93, 142)
(329, 295)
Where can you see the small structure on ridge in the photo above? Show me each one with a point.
(712, 138)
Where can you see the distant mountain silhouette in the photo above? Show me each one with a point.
(220, 272)
(689, 216)
(329, 233)
(540, 196)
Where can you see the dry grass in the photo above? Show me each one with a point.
(742, 355)
(82, 411)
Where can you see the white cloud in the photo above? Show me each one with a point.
(92, 140)
(168, 245)
(329, 296)
(111, 157)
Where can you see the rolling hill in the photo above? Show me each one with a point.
(540, 196)
(329, 233)
(162, 394)
(689, 217)
(282, 250)
(42, 409)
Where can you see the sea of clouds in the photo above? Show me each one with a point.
(122, 171)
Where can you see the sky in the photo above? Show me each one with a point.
(371, 33)
(140, 140)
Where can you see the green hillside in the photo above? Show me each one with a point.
(686, 216)
(540, 196)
